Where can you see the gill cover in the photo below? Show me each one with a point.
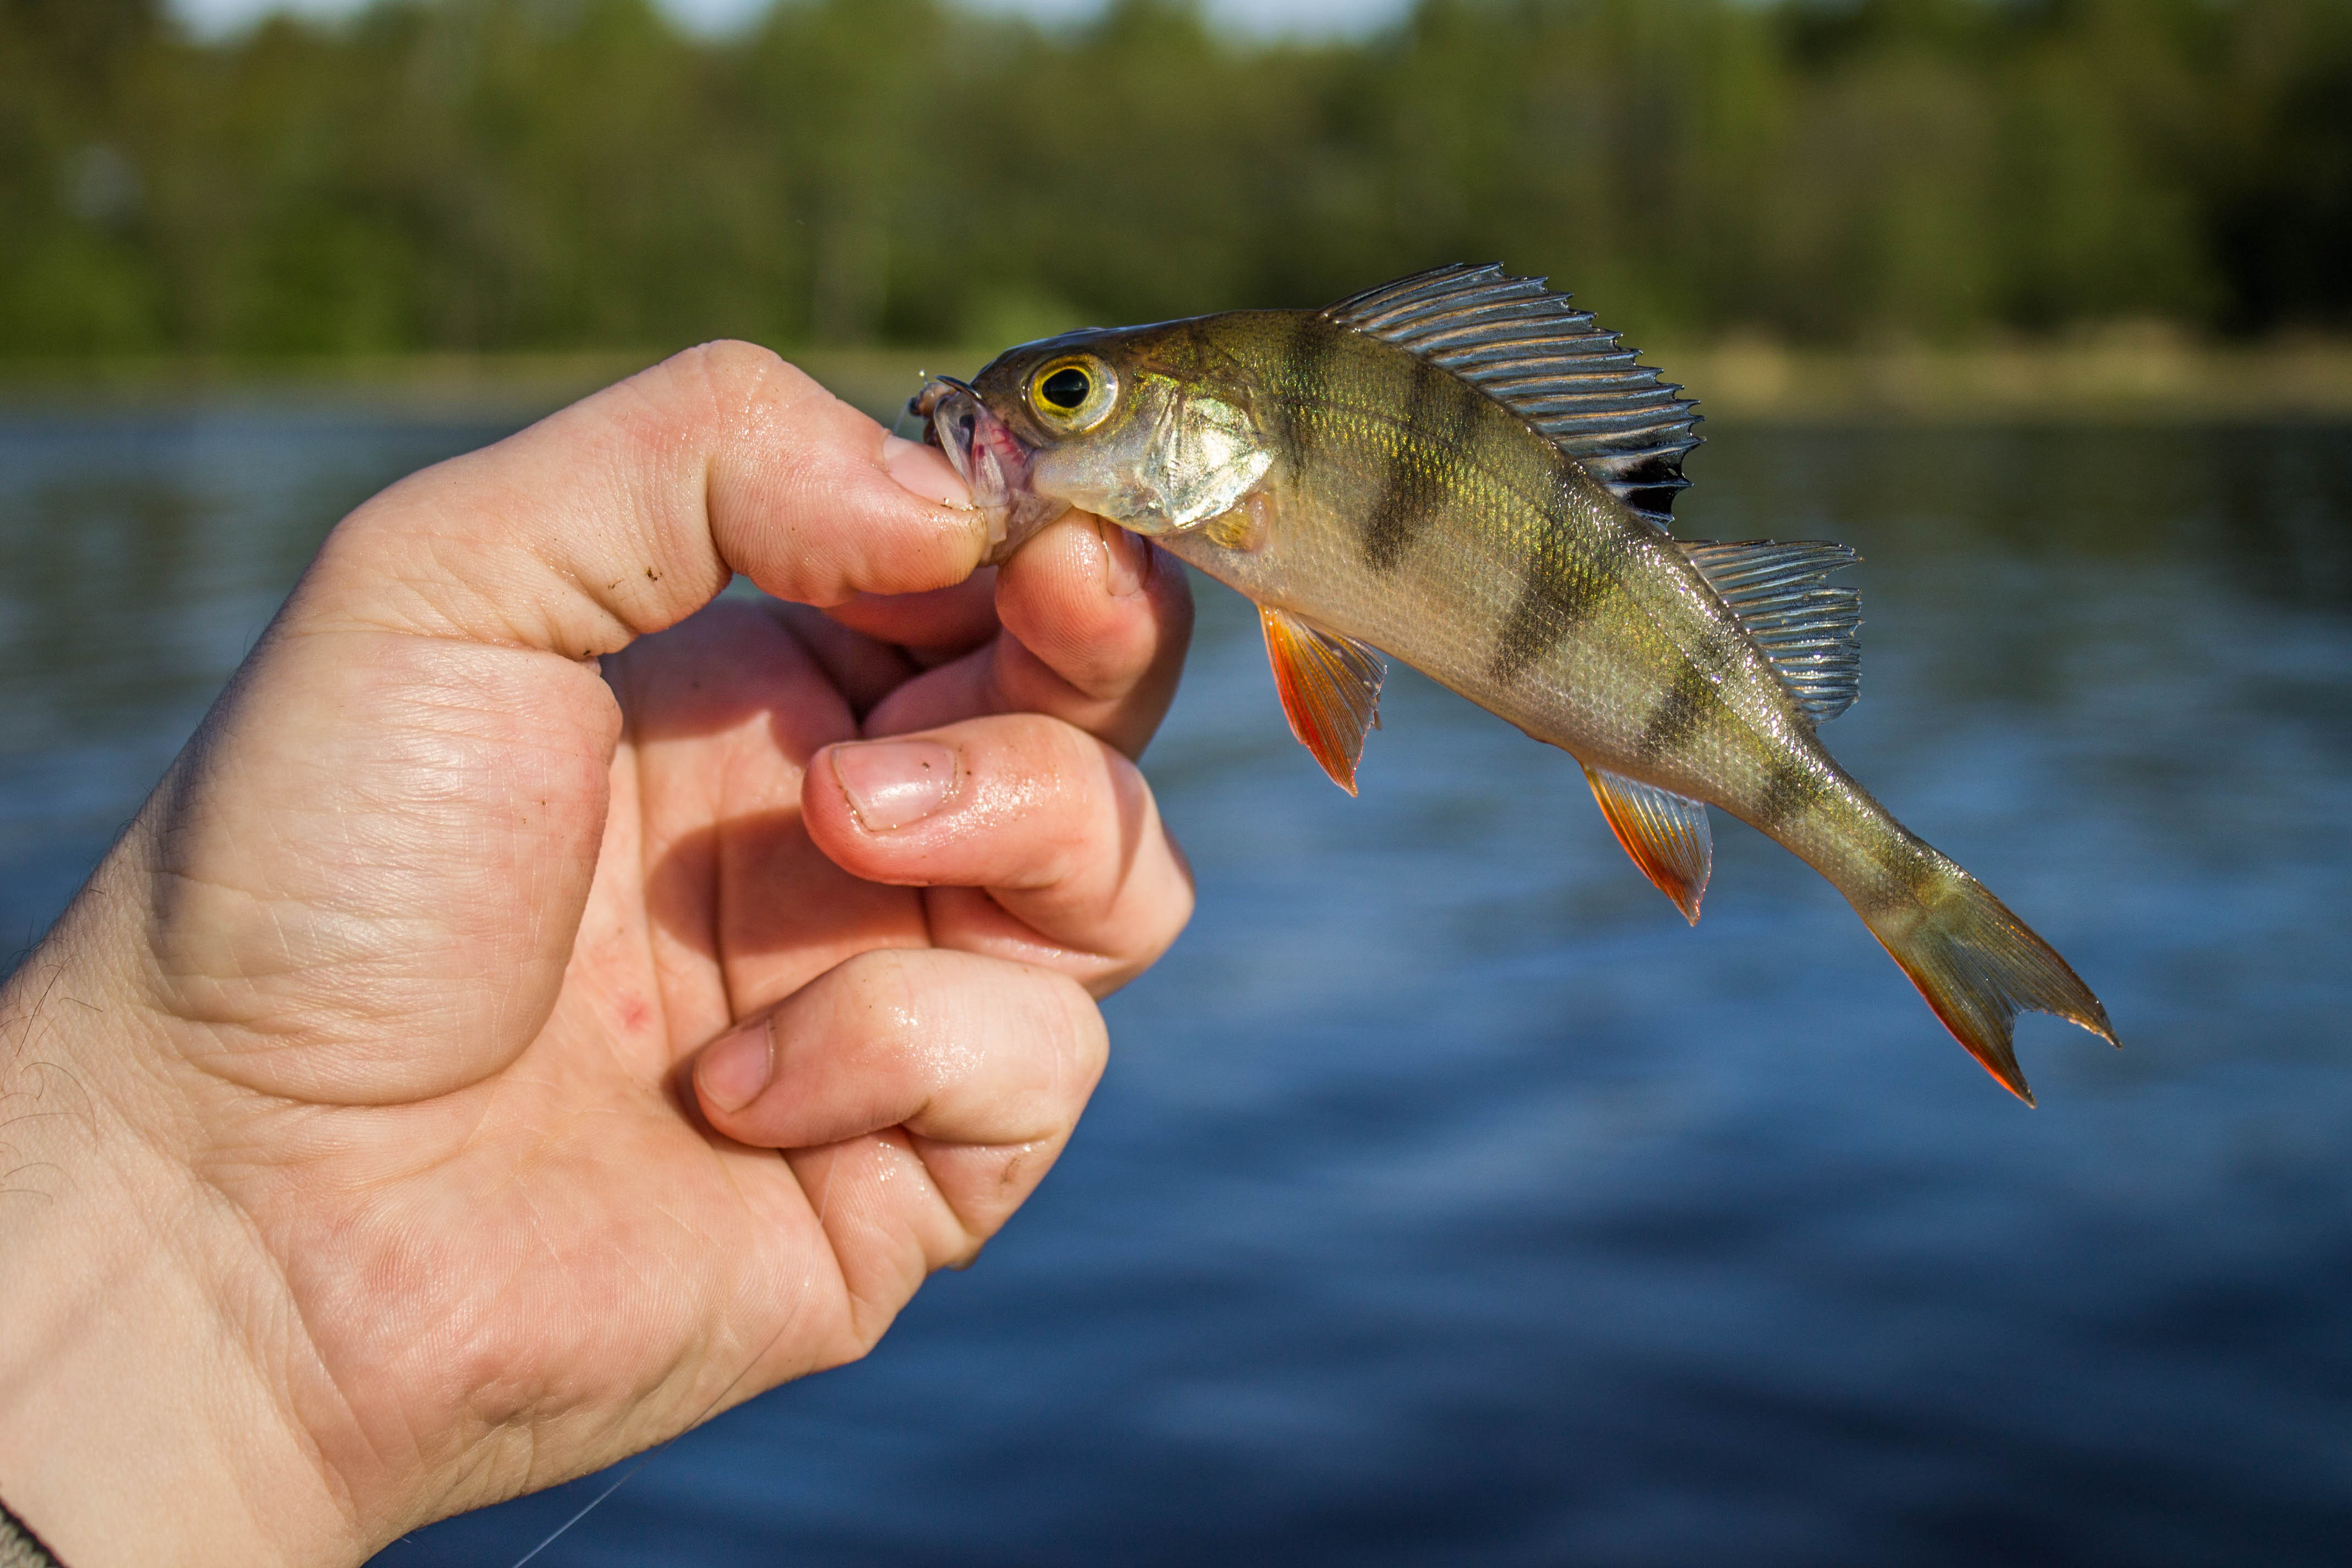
(1161, 460)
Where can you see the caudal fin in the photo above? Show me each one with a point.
(1978, 966)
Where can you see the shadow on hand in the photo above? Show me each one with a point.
(725, 709)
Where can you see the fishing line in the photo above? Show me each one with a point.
(799, 1298)
(600, 1497)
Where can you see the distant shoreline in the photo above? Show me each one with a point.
(2126, 376)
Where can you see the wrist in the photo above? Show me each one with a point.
(139, 1422)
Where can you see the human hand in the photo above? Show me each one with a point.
(368, 1155)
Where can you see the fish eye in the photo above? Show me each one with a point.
(1073, 394)
(1066, 388)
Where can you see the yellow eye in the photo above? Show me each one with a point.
(1066, 388)
(1073, 394)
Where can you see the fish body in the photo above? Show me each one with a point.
(1460, 470)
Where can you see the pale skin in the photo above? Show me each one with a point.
(491, 1051)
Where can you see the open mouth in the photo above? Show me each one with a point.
(989, 458)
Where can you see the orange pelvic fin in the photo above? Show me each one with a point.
(1666, 834)
(1330, 688)
(1978, 966)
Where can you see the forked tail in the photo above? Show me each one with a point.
(1978, 966)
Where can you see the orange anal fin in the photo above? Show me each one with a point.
(1330, 689)
(1666, 834)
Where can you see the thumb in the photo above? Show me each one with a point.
(629, 510)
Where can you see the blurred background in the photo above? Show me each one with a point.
(563, 174)
(1447, 1199)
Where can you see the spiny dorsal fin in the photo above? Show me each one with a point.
(1330, 689)
(1804, 626)
(1531, 351)
(1666, 834)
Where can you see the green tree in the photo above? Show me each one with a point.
(553, 173)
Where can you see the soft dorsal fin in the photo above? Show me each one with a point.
(1330, 689)
(1804, 626)
(1531, 351)
(1666, 834)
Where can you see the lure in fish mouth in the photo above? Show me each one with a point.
(1464, 470)
(992, 462)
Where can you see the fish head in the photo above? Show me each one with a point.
(1134, 425)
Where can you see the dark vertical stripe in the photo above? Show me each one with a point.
(1920, 876)
(1199, 337)
(1677, 716)
(1559, 594)
(1789, 792)
(1438, 425)
(1306, 365)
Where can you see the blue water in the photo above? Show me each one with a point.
(1447, 1199)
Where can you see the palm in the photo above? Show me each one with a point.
(566, 1208)
(559, 1213)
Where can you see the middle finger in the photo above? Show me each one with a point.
(1037, 841)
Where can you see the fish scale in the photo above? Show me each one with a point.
(1462, 472)
(1517, 590)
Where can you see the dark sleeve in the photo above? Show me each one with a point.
(19, 1547)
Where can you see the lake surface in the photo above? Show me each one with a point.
(1447, 1200)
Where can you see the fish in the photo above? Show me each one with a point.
(1466, 472)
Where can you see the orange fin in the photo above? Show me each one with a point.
(1666, 834)
(1330, 688)
(1978, 966)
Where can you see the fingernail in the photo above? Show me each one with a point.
(893, 783)
(923, 472)
(1127, 559)
(732, 1073)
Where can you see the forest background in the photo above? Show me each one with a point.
(488, 176)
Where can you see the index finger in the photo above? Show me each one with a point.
(1095, 622)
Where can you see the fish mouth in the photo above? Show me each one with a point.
(992, 462)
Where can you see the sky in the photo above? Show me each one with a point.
(1317, 19)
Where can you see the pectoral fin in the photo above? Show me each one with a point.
(1242, 529)
(1666, 834)
(1330, 688)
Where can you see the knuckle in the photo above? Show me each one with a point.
(1085, 1041)
(884, 1002)
(702, 401)
(742, 375)
(734, 395)
(853, 1344)
(1163, 922)
(1036, 766)
(1037, 742)
(1068, 803)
